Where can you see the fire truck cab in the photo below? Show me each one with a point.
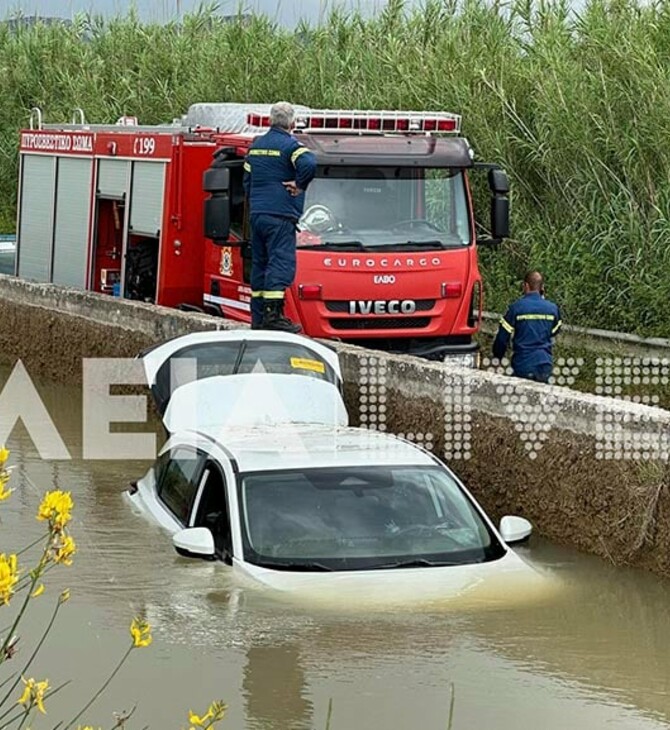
(387, 245)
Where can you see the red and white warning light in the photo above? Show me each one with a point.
(371, 122)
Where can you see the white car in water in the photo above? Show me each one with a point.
(262, 472)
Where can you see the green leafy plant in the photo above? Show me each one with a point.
(575, 105)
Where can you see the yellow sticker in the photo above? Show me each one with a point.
(302, 363)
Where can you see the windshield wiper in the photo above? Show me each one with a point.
(413, 563)
(290, 565)
(346, 245)
(422, 244)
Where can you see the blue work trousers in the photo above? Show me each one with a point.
(541, 374)
(272, 260)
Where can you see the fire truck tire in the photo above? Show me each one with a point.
(214, 311)
(185, 307)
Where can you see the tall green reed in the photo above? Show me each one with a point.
(576, 106)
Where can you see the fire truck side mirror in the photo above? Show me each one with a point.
(499, 217)
(216, 213)
(499, 186)
(498, 182)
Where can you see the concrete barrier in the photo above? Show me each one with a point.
(597, 340)
(544, 452)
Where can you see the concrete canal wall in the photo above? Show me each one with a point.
(545, 452)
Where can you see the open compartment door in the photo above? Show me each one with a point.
(240, 401)
(201, 355)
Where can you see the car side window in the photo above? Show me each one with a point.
(179, 481)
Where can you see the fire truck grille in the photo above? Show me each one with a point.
(380, 323)
(422, 305)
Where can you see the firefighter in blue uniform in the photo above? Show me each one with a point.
(531, 322)
(278, 169)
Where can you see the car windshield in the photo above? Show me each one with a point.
(361, 518)
(378, 207)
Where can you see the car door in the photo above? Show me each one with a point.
(202, 355)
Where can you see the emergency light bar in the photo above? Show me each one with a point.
(328, 120)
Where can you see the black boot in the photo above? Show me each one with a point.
(274, 319)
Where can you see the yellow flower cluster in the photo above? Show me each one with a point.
(63, 549)
(33, 694)
(214, 714)
(140, 630)
(56, 509)
(4, 475)
(9, 576)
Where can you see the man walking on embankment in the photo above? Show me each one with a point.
(531, 322)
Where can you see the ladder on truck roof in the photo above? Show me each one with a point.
(243, 118)
(224, 117)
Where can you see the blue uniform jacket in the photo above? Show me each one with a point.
(531, 322)
(274, 158)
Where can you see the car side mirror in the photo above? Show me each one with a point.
(194, 542)
(515, 529)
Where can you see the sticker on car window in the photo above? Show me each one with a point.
(303, 363)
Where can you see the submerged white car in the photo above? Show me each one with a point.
(261, 471)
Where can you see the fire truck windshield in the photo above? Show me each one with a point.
(371, 207)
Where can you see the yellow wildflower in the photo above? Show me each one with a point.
(140, 630)
(4, 493)
(4, 455)
(64, 596)
(214, 713)
(64, 550)
(38, 591)
(33, 694)
(9, 576)
(56, 508)
(198, 721)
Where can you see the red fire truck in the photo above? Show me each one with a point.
(387, 244)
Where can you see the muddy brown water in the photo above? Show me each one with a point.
(594, 655)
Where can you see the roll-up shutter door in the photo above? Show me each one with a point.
(71, 227)
(112, 178)
(146, 205)
(36, 217)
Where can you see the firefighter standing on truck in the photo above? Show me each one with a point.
(531, 322)
(278, 169)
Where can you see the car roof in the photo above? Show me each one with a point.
(294, 446)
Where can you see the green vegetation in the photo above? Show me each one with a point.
(577, 107)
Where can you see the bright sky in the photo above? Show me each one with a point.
(287, 12)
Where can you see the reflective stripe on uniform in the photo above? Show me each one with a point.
(546, 317)
(247, 167)
(506, 325)
(265, 153)
(297, 154)
(557, 327)
(273, 294)
(257, 294)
